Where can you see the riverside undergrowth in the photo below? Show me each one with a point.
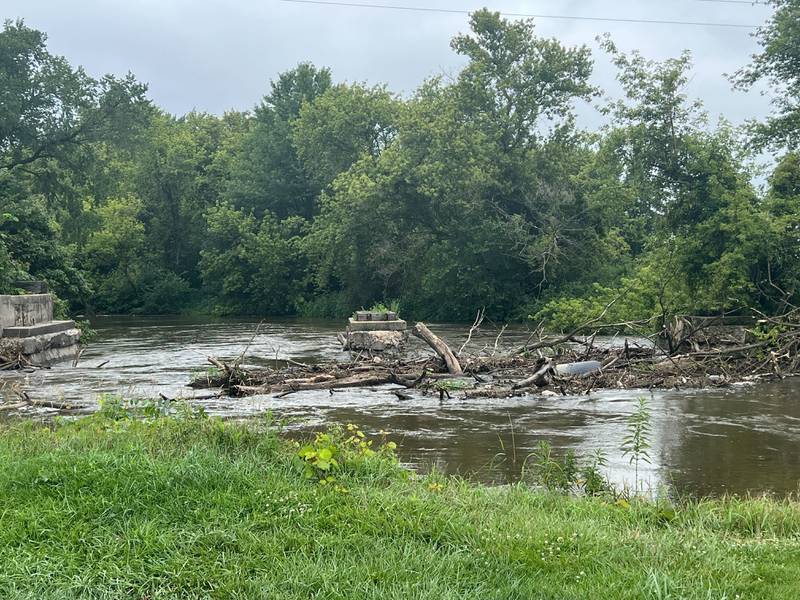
(111, 506)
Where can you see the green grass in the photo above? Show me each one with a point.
(198, 508)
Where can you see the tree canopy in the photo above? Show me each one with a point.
(779, 64)
(475, 191)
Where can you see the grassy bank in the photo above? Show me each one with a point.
(109, 507)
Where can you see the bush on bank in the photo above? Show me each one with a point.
(110, 506)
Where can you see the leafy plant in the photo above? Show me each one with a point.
(339, 450)
(551, 472)
(87, 332)
(637, 443)
(568, 473)
(112, 407)
(594, 482)
(383, 306)
(320, 458)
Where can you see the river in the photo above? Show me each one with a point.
(742, 439)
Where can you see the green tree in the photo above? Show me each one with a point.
(52, 120)
(779, 64)
(126, 275)
(174, 176)
(48, 110)
(267, 174)
(454, 212)
(674, 205)
(517, 83)
(782, 281)
(252, 266)
(651, 138)
(340, 126)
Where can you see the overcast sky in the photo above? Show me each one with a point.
(214, 55)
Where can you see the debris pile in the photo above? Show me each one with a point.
(563, 365)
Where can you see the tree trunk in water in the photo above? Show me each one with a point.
(442, 349)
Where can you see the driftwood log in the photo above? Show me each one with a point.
(542, 377)
(421, 331)
(317, 383)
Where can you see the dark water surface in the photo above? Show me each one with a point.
(736, 440)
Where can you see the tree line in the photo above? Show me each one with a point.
(476, 191)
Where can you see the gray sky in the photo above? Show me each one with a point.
(212, 55)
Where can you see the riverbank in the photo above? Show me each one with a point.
(111, 507)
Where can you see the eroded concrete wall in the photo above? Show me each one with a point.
(22, 311)
(42, 349)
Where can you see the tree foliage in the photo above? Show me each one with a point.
(779, 64)
(474, 191)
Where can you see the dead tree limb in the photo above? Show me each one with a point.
(540, 378)
(421, 331)
(363, 380)
(241, 356)
(497, 339)
(475, 326)
(402, 395)
(58, 405)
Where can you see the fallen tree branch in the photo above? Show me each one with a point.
(421, 331)
(540, 378)
(364, 380)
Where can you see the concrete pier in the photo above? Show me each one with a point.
(28, 330)
(375, 331)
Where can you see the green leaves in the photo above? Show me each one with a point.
(319, 457)
(50, 111)
(253, 266)
(342, 125)
(474, 191)
(779, 64)
(339, 451)
(514, 78)
(636, 444)
(266, 173)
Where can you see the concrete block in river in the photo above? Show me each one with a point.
(42, 349)
(39, 329)
(27, 330)
(394, 325)
(369, 315)
(25, 310)
(576, 369)
(375, 341)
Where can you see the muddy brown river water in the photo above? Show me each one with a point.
(743, 439)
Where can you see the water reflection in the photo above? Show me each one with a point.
(737, 440)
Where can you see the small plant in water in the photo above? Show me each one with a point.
(637, 443)
(87, 333)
